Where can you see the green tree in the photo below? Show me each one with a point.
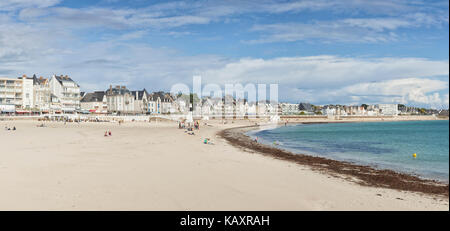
(422, 111)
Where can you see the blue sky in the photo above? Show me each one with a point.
(321, 52)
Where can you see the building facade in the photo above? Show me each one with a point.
(16, 94)
(95, 102)
(160, 103)
(388, 109)
(289, 108)
(67, 93)
(42, 94)
(120, 100)
(140, 101)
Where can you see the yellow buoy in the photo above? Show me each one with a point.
(414, 155)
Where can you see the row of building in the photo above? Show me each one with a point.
(120, 100)
(362, 110)
(59, 94)
(62, 95)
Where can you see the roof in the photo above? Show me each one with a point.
(40, 80)
(140, 94)
(118, 90)
(96, 96)
(165, 97)
(63, 78)
(66, 78)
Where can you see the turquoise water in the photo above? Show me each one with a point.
(386, 145)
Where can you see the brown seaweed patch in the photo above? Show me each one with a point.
(360, 174)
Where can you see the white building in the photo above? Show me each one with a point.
(388, 109)
(67, 92)
(334, 110)
(140, 101)
(160, 103)
(42, 94)
(16, 92)
(241, 108)
(120, 100)
(181, 105)
(289, 108)
(329, 111)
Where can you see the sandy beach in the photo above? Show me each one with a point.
(156, 166)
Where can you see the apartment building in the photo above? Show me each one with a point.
(140, 101)
(42, 94)
(160, 103)
(120, 100)
(388, 109)
(67, 93)
(16, 94)
(289, 108)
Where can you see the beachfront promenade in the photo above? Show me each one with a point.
(156, 166)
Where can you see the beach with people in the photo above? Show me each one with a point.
(175, 165)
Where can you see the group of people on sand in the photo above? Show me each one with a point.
(9, 129)
(182, 125)
(190, 127)
(108, 133)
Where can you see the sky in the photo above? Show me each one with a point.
(322, 52)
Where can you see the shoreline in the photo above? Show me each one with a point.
(361, 174)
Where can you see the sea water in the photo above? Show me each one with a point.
(383, 145)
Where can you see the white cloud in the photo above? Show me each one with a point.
(179, 13)
(11, 5)
(410, 90)
(344, 30)
(331, 79)
(326, 71)
(378, 24)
